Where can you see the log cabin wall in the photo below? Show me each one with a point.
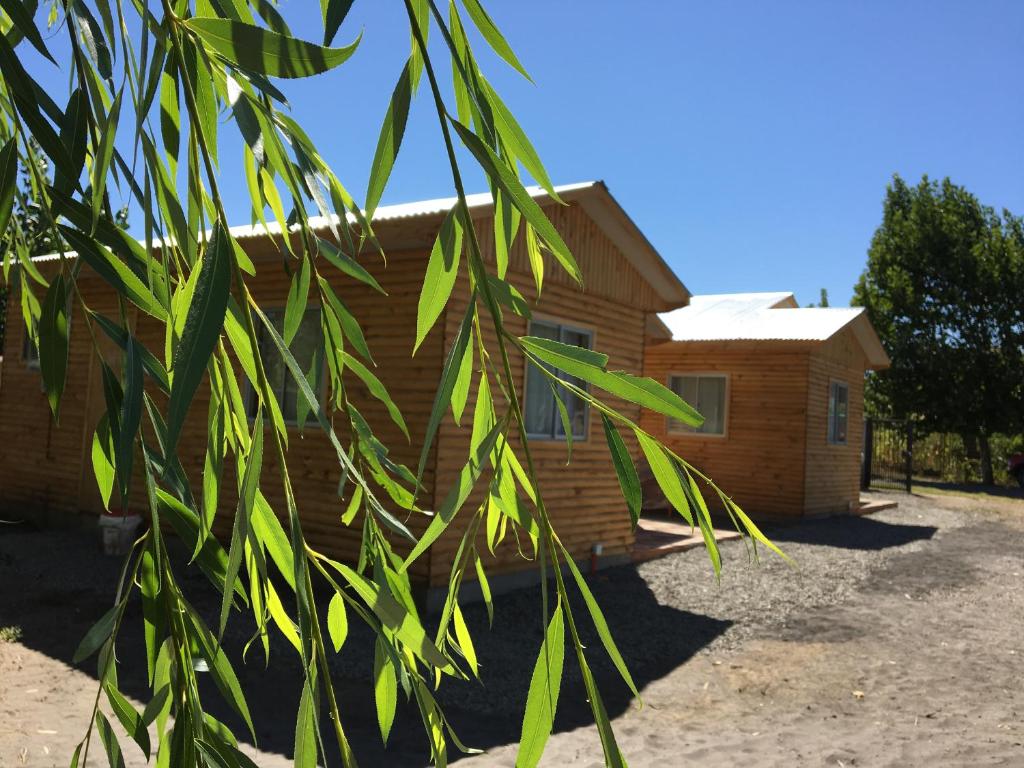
(759, 461)
(41, 461)
(583, 498)
(833, 471)
(45, 465)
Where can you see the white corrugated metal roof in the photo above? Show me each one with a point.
(755, 316)
(592, 195)
(383, 213)
(769, 317)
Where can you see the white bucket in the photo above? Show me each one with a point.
(118, 533)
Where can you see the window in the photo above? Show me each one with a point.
(838, 408)
(543, 419)
(706, 393)
(306, 348)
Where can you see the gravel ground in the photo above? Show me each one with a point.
(671, 620)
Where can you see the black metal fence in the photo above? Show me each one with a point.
(888, 454)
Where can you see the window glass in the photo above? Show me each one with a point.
(707, 395)
(542, 416)
(303, 347)
(838, 412)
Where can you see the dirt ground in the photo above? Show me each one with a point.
(897, 640)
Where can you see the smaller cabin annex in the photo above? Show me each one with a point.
(781, 388)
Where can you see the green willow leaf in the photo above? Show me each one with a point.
(442, 270)
(612, 755)
(542, 699)
(8, 180)
(221, 671)
(485, 588)
(243, 515)
(295, 307)
(590, 366)
(456, 495)
(385, 688)
(349, 325)
(103, 460)
(649, 394)
(377, 389)
(516, 140)
(399, 620)
(21, 18)
(449, 375)
(305, 752)
(259, 50)
(104, 154)
(109, 740)
(154, 621)
(625, 470)
(97, 635)
(53, 342)
(666, 474)
(212, 559)
(465, 640)
(502, 176)
(460, 394)
(334, 13)
(203, 326)
(337, 622)
(576, 361)
(119, 336)
(390, 140)
(493, 36)
(74, 133)
(130, 417)
(601, 625)
(700, 507)
(114, 271)
(754, 531)
(348, 265)
(129, 717)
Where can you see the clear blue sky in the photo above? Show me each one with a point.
(751, 142)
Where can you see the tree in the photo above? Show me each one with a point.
(823, 299)
(943, 287)
(27, 218)
(150, 87)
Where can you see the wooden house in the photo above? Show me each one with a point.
(781, 388)
(46, 467)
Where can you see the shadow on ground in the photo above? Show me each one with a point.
(865, 533)
(54, 584)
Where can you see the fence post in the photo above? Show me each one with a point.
(869, 449)
(910, 454)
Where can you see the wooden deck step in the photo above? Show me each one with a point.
(657, 537)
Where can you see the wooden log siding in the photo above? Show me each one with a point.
(775, 460)
(833, 471)
(42, 465)
(40, 461)
(760, 460)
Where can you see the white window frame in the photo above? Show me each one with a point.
(321, 384)
(681, 430)
(830, 436)
(556, 421)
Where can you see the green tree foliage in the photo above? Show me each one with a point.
(943, 287)
(165, 78)
(822, 299)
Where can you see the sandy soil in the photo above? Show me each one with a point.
(918, 663)
(898, 641)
